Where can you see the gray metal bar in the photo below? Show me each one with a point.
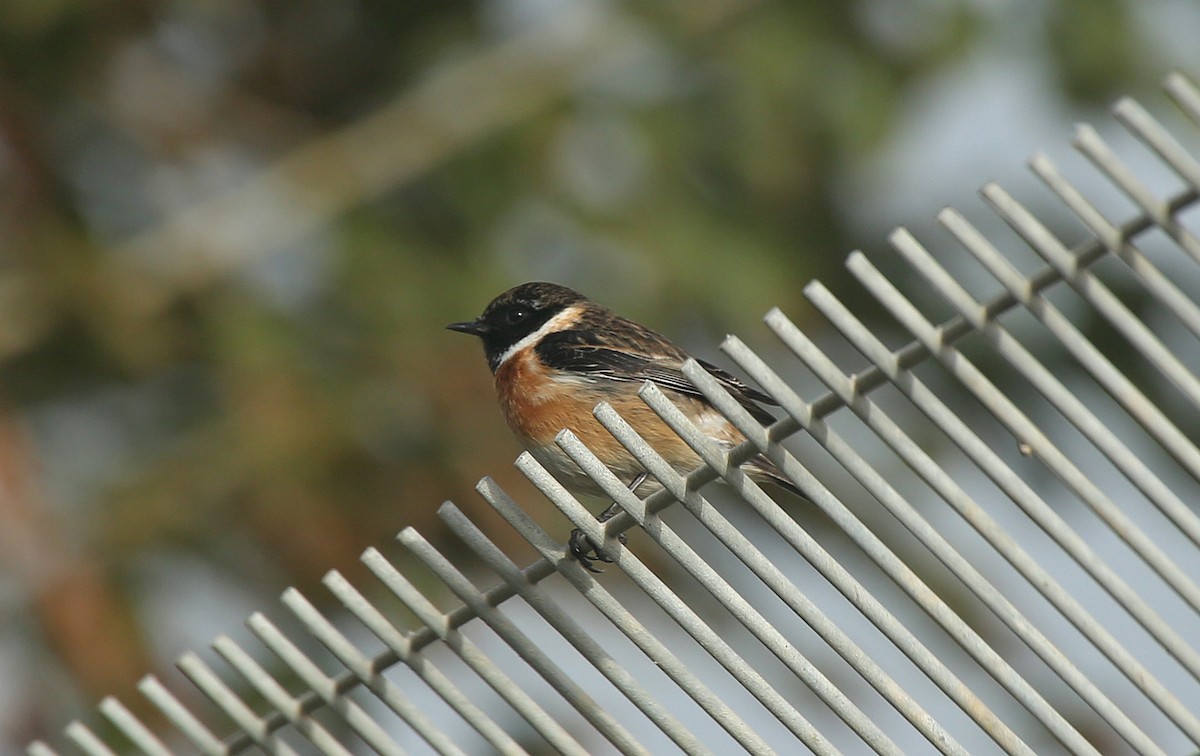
(192, 728)
(1185, 94)
(571, 630)
(857, 594)
(1018, 491)
(683, 489)
(1157, 138)
(132, 727)
(619, 615)
(87, 740)
(1154, 351)
(1087, 140)
(739, 607)
(771, 575)
(1147, 273)
(1161, 428)
(895, 568)
(733, 539)
(276, 695)
(316, 680)
(1066, 402)
(38, 748)
(229, 702)
(1029, 434)
(526, 647)
(370, 672)
(1094, 292)
(891, 433)
(488, 671)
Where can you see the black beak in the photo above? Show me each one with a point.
(473, 327)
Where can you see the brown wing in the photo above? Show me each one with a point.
(649, 358)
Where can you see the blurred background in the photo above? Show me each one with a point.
(231, 234)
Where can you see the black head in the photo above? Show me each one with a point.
(515, 314)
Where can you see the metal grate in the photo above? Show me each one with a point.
(1069, 622)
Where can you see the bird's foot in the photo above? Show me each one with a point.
(586, 551)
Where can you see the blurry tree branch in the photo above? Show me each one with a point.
(71, 600)
(454, 107)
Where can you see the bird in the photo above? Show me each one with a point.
(554, 355)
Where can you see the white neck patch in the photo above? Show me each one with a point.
(556, 323)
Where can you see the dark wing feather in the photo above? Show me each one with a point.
(578, 351)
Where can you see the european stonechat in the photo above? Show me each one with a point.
(555, 355)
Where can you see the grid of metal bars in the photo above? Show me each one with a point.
(1104, 606)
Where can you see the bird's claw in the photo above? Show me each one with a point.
(587, 552)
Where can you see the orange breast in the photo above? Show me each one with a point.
(538, 404)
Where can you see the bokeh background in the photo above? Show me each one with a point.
(231, 234)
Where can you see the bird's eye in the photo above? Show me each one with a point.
(516, 315)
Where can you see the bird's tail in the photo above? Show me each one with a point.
(764, 470)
